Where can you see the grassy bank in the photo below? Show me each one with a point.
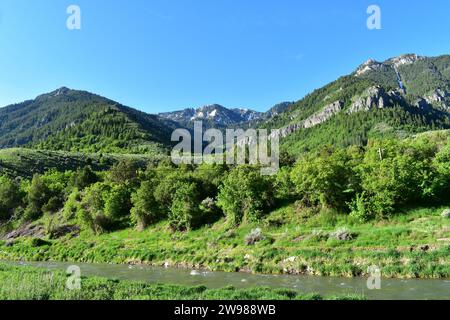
(26, 162)
(27, 283)
(412, 244)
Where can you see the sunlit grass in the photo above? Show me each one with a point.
(395, 245)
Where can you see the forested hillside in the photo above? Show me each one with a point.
(401, 96)
(73, 120)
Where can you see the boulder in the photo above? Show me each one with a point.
(342, 234)
(61, 231)
(254, 236)
(28, 230)
(446, 213)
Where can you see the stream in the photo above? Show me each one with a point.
(397, 289)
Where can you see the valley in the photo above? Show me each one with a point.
(363, 181)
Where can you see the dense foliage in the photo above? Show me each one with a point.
(367, 183)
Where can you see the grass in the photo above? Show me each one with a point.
(28, 283)
(412, 244)
(25, 162)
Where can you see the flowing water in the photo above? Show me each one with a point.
(398, 289)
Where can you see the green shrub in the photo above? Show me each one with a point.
(325, 179)
(38, 195)
(83, 178)
(118, 201)
(185, 213)
(395, 173)
(91, 213)
(146, 210)
(245, 195)
(72, 205)
(10, 197)
(360, 208)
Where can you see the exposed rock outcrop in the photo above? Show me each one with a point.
(369, 65)
(423, 104)
(439, 97)
(323, 115)
(404, 59)
(28, 230)
(317, 118)
(375, 97)
(372, 65)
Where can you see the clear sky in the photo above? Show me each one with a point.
(163, 55)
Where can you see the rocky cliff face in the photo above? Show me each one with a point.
(439, 97)
(373, 65)
(319, 117)
(323, 115)
(369, 65)
(375, 97)
(404, 59)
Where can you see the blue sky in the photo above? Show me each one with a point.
(162, 55)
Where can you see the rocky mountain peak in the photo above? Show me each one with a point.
(369, 65)
(373, 65)
(404, 59)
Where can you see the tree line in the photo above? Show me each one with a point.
(371, 182)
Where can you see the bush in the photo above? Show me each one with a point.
(105, 206)
(38, 195)
(283, 185)
(325, 179)
(124, 172)
(91, 212)
(360, 208)
(395, 173)
(72, 205)
(53, 205)
(10, 197)
(254, 236)
(185, 213)
(145, 209)
(84, 178)
(441, 164)
(168, 184)
(245, 195)
(118, 202)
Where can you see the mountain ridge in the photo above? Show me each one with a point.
(403, 94)
(75, 120)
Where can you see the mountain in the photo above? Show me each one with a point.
(74, 120)
(278, 109)
(215, 116)
(398, 97)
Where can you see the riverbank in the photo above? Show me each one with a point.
(412, 244)
(30, 283)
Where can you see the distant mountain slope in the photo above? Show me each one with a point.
(74, 120)
(215, 116)
(403, 95)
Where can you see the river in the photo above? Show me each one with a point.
(398, 289)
